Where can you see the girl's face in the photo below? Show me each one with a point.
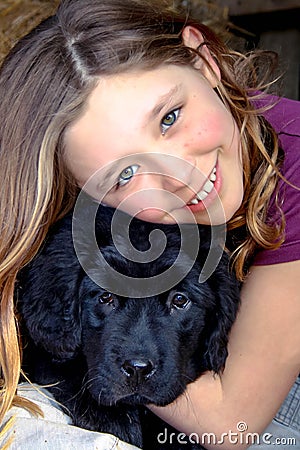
(160, 145)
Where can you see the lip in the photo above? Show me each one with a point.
(204, 204)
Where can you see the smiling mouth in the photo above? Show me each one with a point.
(206, 189)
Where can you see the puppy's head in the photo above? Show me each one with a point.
(138, 348)
(146, 350)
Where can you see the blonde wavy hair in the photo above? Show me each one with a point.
(45, 82)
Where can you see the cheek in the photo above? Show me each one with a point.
(209, 131)
(153, 215)
(221, 127)
(150, 208)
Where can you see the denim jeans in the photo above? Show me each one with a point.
(284, 430)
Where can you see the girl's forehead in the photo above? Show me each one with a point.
(135, 96)
(148, 82)
(138, 94)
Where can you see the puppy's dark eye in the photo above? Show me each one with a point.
(106, 298)
(179, 301)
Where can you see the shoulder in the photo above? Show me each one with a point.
(282, 113)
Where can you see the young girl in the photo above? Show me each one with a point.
(162, 120)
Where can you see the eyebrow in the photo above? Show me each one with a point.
(108, 177)
(163, 101)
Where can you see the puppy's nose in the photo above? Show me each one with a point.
(138, 370)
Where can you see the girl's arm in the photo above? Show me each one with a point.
(263, 361)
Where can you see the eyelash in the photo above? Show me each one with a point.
(175, 113)
(122, 181)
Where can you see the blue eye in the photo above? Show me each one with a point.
(168, 120)
(126, 174)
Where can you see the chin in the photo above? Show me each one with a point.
(218, 216)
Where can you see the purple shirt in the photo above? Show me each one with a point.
(284, 116)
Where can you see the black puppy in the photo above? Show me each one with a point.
(111, 354)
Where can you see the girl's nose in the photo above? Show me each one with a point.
(173, 173)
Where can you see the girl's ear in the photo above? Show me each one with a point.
(193, 38)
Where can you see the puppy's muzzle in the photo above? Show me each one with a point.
(138, 370)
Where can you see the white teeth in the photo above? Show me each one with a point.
(202, 195)
(213, 177)
(207, 188)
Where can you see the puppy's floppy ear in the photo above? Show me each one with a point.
(227, 291)
(47, 294)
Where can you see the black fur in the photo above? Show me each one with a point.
(112, 355)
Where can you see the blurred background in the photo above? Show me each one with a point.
(274, 25)
(245, 24)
